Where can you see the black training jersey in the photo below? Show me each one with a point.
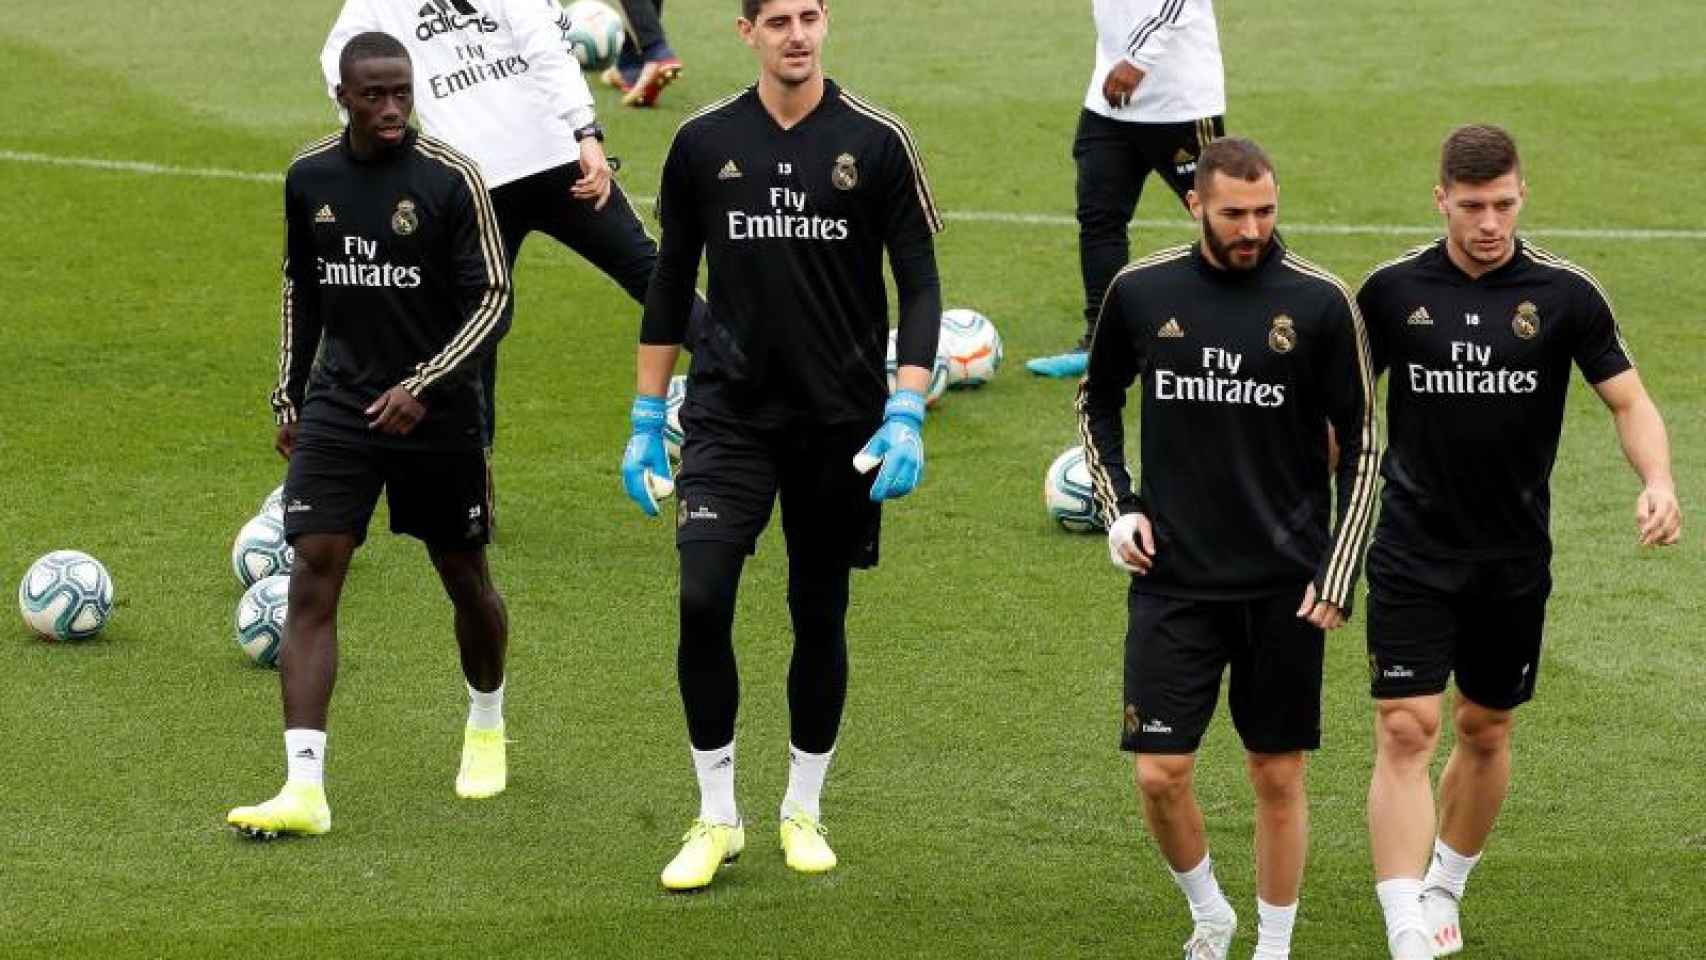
(1241, 373)
(394, 273)
(1475, 401)
(793, 224)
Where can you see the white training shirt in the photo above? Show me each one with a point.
(1175, 43)
(493, 78)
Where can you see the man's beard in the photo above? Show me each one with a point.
(1223, 252)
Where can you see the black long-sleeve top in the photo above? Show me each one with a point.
(394, 274)
(793, 224)
(1241, 373)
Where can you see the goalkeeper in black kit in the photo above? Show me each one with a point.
(794, 189)
(1246, 353)
(395, 288)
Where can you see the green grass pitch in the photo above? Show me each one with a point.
(978, 801)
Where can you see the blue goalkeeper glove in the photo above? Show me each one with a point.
(898, 446)
(645, 464)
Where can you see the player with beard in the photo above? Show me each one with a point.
(394, 287)
(794, 190)
(1479, 329)
(1245, 351)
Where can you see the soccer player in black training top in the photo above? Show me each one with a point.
(793, 188)
(1246, 353)
(1478, 330)
(394, 286)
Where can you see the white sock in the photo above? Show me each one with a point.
(486, 710)
(1273, 930)
(1203, 891)
(805, 780)
(305, 756)
(716, 770)
(1449, 869)
(1401, 900)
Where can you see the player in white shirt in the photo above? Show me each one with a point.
(1156, 98)
(495, 80)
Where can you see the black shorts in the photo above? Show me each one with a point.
(442, 498)
(732, 472)
(1176, 649)
(1481, 619)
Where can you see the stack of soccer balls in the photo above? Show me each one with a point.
(262, 559)
(66, 595)
(593, 32)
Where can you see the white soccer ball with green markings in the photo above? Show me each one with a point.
(1067, 494)
(938, 372)
(66, 595)
(260, 550)
(260, 619)
(593, 32)
(273, 505)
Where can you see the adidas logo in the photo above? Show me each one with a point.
(306, 753)
(1171, 329)
(325, 215)
(1420, 318)
(729, 172)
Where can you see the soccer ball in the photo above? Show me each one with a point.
(594, 33)
(260, 550)
(273, 505)
(1067, 493)
(672, 435)
(260, 618)
(66, 595)
(973, 348)
(938, 372)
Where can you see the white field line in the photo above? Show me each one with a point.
(965, 216)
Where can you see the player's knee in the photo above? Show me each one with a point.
(1163, 778)
(1277, 778)
(1484, 731)
(1403, 733)
(706, 605)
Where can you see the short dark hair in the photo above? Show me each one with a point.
(1234, 156)
(749, 9)
(1477, 153)
(372, 45)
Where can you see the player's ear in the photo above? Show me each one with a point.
(1439, 200)
(1193, 202)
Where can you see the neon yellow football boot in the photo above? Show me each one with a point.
(485, 767)
(300, 809)
(805, 843)
(705, 847)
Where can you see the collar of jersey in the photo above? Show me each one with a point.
(831, 93)
(1442, 262)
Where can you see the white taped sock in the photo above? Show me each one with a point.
(305, 756)
(1202, 890)
(1273, 930)
(805, 780)
(716, 770)
(1401, 901)
(1449, 869)
(486, 710)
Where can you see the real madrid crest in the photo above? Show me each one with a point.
(845, 176)
(404, 221)
(1526, 323)
(1283, 336)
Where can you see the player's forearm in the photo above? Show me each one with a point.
(1103, 435)
(918, 287)
(669, 297)
(652, 368)
(1641, 431)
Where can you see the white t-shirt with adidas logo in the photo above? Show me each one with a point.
(493, 78)
(1176, 44)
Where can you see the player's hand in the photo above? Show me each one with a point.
(1658, 516)
(396, 411)
(1121, 83)
(898, 446)
(594, 183)
(645, 463)
(1321, 613)
(285, 440)
(1131, 543)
